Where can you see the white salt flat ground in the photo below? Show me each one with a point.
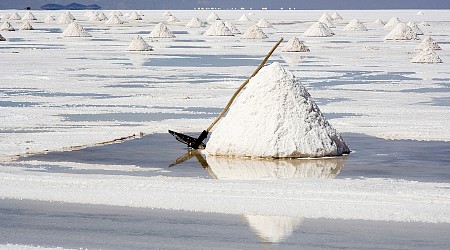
(58, 93)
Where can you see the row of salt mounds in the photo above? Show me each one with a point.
(195, 22)
(379, 22)
(2, 38)
(66, 18)
(161, 31)
(254, 32)
(114, 20)
(318, 29)
(49, 19)
(218, 28)
(415, 28)
(392, 23)
(135, 16)
(213, 17)
(244, 18)
(355, 25)
(428, 42)
(75, 30)
(274, 116)
(173, 19)
(295, 45)
(98, 16)
(401, 32)
(7, 26)
(263, 23)
(139, 44)
(29, 16)
(232, 28)
(427, 55)
(336, 16)
(15, 16)
(116, 13)
(26, 26)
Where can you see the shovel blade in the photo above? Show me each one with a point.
(188, 140)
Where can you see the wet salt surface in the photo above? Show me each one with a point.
(370, 158)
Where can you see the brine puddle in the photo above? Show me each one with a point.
(161, 154)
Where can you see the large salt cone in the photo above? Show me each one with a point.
(274, 116)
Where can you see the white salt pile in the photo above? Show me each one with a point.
(428, 42)
(427, 55)
(15, 16)
(275, 116)
(392, 23)
(2, 38)
(139, 44)
(4, 16)
(355, 25)
(114, 20)
(295, 45)
(167, 13)
(401, 32)
(218, 28)
(232, 28)
(318, 29)
(173, 19)
(254, 32)
(244, 18)
(195, 22)
(423, 23)
(326, 16)
(263, 23)
(336, 16)
(135, 16)
(415, 28)
(326, 21)
(49, 19)
(75, 30)
(420, 13)
(95, 17)
(67, 13)
(26, 26)
(213, 17)
(89, 13)
(379, 22)
(116, 13)
(65, 18)
(161, 31)
(29, 16)
(7, 26)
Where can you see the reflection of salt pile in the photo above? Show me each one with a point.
(427, 55)
(254, 32)
(232, 28)
(161, 31)
(173, 19)
(379, 22)
(415, 28)
(114, 20)
(428, 42)
(66, 18)
(135, 16)
(295, 45)
(292, 59)
(29, 16)
(218, 28)
(49, 19)
(15, 16)
(355, 25)
(2, 38)
(139, 44)
(318, 29)
(26, 26)
(244, 18)
(263, 23)
(213, 17)
(7, 26)
(392, 23)
(273, 229)
(274, 116)
(336, 16)
(75, 30)
(194, 23)
(401, 32)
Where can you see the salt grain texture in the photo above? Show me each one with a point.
(75, 30)
(244, 18)
(254, 32)
(263, 23)
(195, 22)
(15, 16)
(161, 31)
(336, 16)
(427, 55)
(213, 17)
(355, 25)
(392, 22)
(139, 44)
(232, 28)
(114, 20)
(318, 29)
(401, 32)
(295, 45)
(218, 28)
(379, 22)
(173, 19)
(7, 26)
(29, 16)
(26, 26)
(415, 28)
(135, 16)
(428, 42)
(274, 116)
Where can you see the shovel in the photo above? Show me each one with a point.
(197, 143)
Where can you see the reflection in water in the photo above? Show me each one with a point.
(138, 60)
(292, 59)
(273, 229)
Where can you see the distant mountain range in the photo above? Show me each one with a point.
(72, 6)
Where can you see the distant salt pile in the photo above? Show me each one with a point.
(26, 26)
(49, 19)
(355, 25)
(135, 16)
(263, 23)
(195, 22)
(379, 22)
(29, 16)
(2, 38)
(4, 17)
(254, 32)
(89, 13)
(336, 16)
(114, 20)
(69, 15)
(423, 23)
(139, 44)
(102, 16)
(326, 21)
(213, 17)
(244, 18)
(392, 23)
(65, 18)
(15, 16)
(7, 26)
(415, 28)
(428, 42)
(401, 32)
(232, 28)
(95, 17)
(218, 28)
(295, 45)
(275, 116)
(167, 13)
(326, 16)
(75, 30)
(116, 13)
(318, 29)
(427, 55)
(161, 31)
(173, 19)
(420, 13)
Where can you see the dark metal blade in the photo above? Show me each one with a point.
(186, 139)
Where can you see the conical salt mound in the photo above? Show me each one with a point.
(263, 23)
(65, 18)
(254, 32)
(29, 16)
(49, 19)
(275, 116)
(116, 13)
(355, 25)
(4, 16)
(139, 44)
(318, 29)
(218, 28)
(15, 16)
(415, 28)
(26, 26)
(428, 42)
(327, 21)
(326, 16)
(167, 13)
(195, 23)
(420, 13)
(244, 18)
(336, 16)
(102, 16)
(2, 38)
(89, 13)
(392, 23)
(173, 19)
(75, 30)
(135, 16)
(7, 26)
(213, 17)
(427, 56)
(232, 28)
(401, 32)
(379, 22)
(161, 31)
(67, 13)
(95, 17)
(114, 20)
(295, 45)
